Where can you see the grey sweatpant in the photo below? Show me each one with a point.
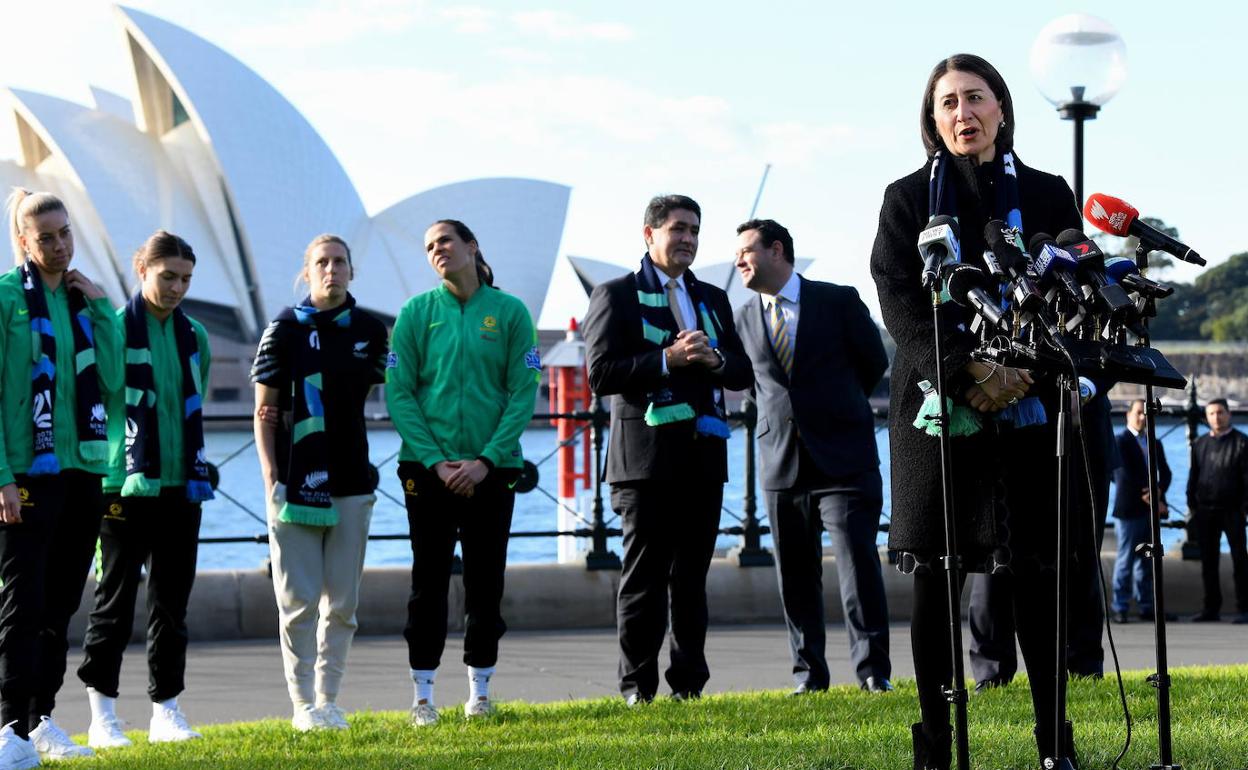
(316, 578)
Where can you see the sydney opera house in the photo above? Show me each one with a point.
(208, 149)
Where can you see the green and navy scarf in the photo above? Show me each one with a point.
(308, 499)
(142, 425)
(942, 199)
(679, 400)
(89, 409)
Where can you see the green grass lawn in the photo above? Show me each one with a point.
(843, 728)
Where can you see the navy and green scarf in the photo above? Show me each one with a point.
(142, 425)
(679, 399)
(89, 409)
(308, 499)
(942, 198)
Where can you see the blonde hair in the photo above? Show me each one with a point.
(23, 203)
(320, 240)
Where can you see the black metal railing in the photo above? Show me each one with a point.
(599, 529)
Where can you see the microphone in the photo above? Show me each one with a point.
(1091, 269)
(1123, 271)
(938, 245)
(1052, 262)
(1117, 217)
(968, 286)
(1008, 258)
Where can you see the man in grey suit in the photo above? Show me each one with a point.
(817, 355)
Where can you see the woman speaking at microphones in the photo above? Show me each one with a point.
(1003, 473)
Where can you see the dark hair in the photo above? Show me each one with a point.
(966, 62)
(1219, 402)
(660, 206)
(770, 231)
(1134, 401)
(485, 273)
(162, 245)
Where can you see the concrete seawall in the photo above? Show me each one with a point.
(239, 604)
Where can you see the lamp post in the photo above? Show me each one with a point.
(1079, 62)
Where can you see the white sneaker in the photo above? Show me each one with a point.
(105, 733)
(478, 707)
(307, 719)
(333, 717)
(424, 714)
(16, 753)
(52, 743)
(169, 725)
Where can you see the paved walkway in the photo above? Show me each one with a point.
(239, 681)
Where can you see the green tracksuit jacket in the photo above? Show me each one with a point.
(461, 378)
(16, 355)
(170, 410)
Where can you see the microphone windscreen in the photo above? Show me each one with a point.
(1110, 214)
(1037, 242)
(962, 279)
(1070, 235)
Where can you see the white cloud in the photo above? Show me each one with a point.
(332, 22)
(469, 19)
(559, 25)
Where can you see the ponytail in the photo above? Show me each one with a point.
(485, 273)
(22, 203)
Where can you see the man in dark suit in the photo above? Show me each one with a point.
(817, 356)
(662, 344)
(1133, 573)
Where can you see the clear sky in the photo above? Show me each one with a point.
(621, 101)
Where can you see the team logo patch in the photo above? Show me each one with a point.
(409, 487)
(489, 324)
(360, 349)
(392, 360)
(114, 512)
(23, 495)
(533, 359)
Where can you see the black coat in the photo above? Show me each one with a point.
(1131, 477)
(622, 364)
(992, 468)
(838, 359)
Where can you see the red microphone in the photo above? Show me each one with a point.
(1117, 217)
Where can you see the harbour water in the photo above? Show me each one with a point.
(240, 480)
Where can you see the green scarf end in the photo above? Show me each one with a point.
(308, 515)
(663, 415)
(138, 485)
(93, 451)
(963, 421)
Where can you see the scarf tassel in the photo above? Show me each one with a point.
(139, 485)
(664, 415)
(963, 421)
(307, 515)
(199, 491)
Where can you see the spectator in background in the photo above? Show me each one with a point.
(1133, 573)
(1217, 497)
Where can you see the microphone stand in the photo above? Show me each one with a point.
(1154, 551)
(952, 562)
(1067, 388)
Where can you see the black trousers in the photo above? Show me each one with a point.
(669, 539)
(849, 509)
(1033, 608)
(1210, 525)
(44, 561)
(161, 533)
(436, 518)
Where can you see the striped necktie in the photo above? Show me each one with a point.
(781, 344)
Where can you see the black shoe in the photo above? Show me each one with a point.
(931, 754)
(988, 684)
(1240, 619)
(681, 696)
(1206, 616)
(1120, 617)
(876, 684)
(806, 688)
(637, 699)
